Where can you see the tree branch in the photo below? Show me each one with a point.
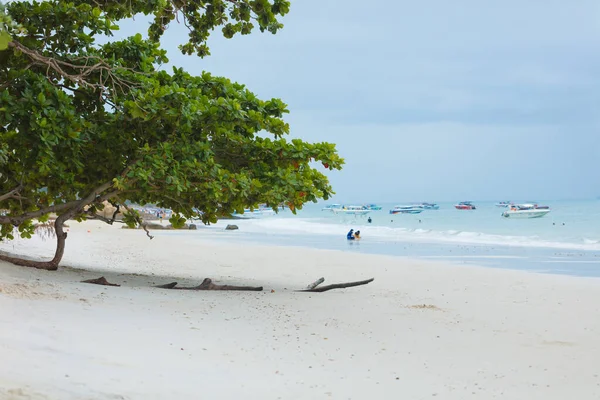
(108, 196)
(13, 194)
(16, 220)
(83, 71)
(141, 223)
(73, 206)
(110, 221)
(337, 286)
(114, 216)
(145, 228)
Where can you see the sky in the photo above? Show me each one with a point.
(432, 100)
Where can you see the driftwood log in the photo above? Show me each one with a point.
(208, 285)
(316, 289)
(100, 281)
(315, 283)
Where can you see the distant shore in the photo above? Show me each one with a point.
(420, 330)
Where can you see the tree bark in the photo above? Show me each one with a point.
(208, 285)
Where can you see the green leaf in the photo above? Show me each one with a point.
(5, 39)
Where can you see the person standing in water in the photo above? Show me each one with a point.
(369, 220)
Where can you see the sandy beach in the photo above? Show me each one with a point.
(419, 331)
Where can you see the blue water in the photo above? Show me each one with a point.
(566, 241)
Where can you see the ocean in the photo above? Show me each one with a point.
(566, 241)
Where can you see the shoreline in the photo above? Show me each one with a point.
(569, 262)
(421, 329)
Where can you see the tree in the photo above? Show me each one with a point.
(82, 123)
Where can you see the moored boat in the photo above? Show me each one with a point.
(352, 210)
(255, 213)
(526, 211)
(503, 204)
(465, 205)
(329, 207)
(430, 206)
(372, 207)
(407, 210)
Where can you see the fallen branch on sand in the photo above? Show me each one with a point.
(208, 285)
(315, 283)
(314, 289)
(100, 281)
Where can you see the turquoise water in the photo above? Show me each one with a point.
(570, 224)
(565, 241)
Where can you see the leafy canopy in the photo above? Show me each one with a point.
(83, 122)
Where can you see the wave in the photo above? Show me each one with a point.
(307, 226)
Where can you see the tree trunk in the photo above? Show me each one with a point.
(52, 265)
(61, 236)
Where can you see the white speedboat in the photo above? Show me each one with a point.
(255, 213)
(351, 210)
(407, 209)
(429, 206)
(526, 211)
(330, 207)
(503, 204)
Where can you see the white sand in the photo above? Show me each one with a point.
(485, 333)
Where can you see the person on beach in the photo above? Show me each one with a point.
(357, 235)
(350, 235)
(369, 220)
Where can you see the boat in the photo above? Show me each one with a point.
(526, 211)
(465, 205)
(407, 210)
(352, 210)
(430, 206)
(249, 213)
(372, 207)
(329, 207)
(261, 211)
(503, 204)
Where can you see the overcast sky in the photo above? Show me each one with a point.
(434, 100)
